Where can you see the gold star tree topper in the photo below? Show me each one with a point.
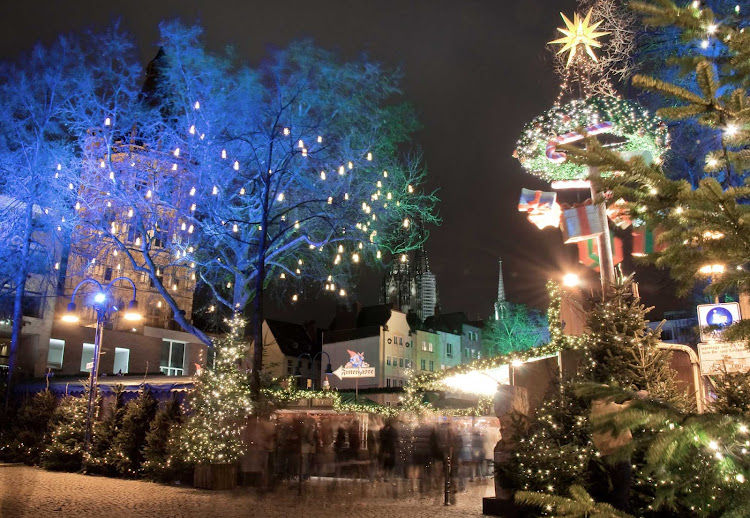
(579, 32)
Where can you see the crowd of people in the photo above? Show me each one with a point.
(298, 445)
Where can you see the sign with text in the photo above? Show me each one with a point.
(720, 357)
(714, 318)
(356, 367)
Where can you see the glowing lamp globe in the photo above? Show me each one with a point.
(70, 315)
(132, 313)
(627, 124)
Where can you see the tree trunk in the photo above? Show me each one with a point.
(257, 319)
(23, 269)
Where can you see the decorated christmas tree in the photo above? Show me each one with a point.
(26, 433)
(101, 459)
(622, 348)
(219, 404)
(127, 447)
(161, 453)
(64, 451)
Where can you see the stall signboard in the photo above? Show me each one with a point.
(720, 357)
(714, 318)
(356, 367)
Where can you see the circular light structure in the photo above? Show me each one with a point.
(100, 297)
(631, 124)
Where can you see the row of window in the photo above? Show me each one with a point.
(423, 365)
(397, 362)
(172, 357)
(473, 335)
(427, 346)
(394, 382)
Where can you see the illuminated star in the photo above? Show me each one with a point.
(579, 32)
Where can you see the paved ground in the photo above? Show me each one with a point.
(31, 492)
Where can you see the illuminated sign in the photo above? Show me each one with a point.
(714, 318)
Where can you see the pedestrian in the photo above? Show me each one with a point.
(388, 437)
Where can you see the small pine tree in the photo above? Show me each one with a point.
(580, 505)
(100, 459)
(64, 450)
(161, 456)
(30, 427)
(127, 448)
(218, 405)
(623, 349)
(732, 391)
(551, 451)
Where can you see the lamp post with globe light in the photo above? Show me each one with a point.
(298, 370)
(104, 308)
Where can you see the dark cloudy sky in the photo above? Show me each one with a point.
(476, 72)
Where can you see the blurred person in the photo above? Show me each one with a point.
(388, 439)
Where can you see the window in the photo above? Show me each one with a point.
(388, 382)
(172, 358)
(108, 274)
(424, 345)
(429, 347)
(406, 364)
(449, 349)
(400, 340)
(400, 362)
(289, 367)
(423, 364)
(55, 354)
(87, 356)
(387, 360)
(122, 359)
(666, 334)
(432, 365)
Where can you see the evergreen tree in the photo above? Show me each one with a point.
(64, 450)
(732, 394)
(579, 505)
(127, 447)
(622, 348)
(218, 405)
(552, 450)
(29, 428)
(100, 459)
(161, 454)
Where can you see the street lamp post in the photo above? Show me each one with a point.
(298, 370)
(103, 312)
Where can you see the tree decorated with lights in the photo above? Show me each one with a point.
(703, 229)
(623, 349)
(219, 404)
(101, 458)
(298, 177)
(64, 450)
(36, 156)
(162, 459)
(127, 447)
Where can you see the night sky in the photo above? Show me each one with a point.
(476, 72)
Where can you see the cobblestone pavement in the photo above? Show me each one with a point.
(31, 492)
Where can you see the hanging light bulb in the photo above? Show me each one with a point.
(322, 175)
(286, 131)
(320, 139)
(355, 257)
(406, 223)
(192, 191)
(192, 129)
(342, 170)
(236, 165)
(176, 151)
(369, 157)
(235, 228)
(385, 174)
(107, 121)
(294, 298)
(215, 190)
(300, 144)
(280, 197)
(197, 105)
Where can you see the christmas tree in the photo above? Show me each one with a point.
(100, 459)
(161, 453)
(622, 348)
(219, 404)
(127, 447)
(27, 432)
(64, 451)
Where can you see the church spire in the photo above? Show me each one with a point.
(500, 303)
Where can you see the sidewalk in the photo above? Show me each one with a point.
(31, 492)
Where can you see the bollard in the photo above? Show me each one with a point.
(447, 473)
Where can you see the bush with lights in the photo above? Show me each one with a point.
(161, 452)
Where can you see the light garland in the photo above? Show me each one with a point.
(630, 121)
